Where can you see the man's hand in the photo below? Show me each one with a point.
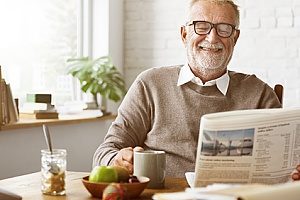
(124, 158)
(296, 174)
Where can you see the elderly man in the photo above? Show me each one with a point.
(163, 107)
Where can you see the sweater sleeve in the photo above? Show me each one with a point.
(130, 127)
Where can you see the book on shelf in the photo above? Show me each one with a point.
(40, 115)
(31, 107)
(38, 106)
(0, 97)
(4, 105)
(8, 109)
(38, 111)
(11, 106)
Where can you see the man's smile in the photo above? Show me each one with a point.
(210, 49)
(205, 46)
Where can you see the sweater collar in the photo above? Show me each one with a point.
(186, 75)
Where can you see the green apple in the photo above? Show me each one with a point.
(103, 174)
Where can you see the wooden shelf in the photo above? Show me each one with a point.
(85, 116)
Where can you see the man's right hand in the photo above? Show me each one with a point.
(124, 158)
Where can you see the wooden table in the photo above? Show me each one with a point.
(29, 187)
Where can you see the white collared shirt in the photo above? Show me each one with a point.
(187, 75)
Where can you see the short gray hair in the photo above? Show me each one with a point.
(234, 6)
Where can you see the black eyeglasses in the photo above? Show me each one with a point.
(203, 28)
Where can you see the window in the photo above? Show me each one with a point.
(36, 38)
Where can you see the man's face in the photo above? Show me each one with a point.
(208, 55)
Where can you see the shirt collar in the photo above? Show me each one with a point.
(186, 75)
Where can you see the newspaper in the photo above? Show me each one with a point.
(248, 146)
(280, 191)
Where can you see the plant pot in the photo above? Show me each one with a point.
(103, 105)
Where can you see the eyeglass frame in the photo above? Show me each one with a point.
(212, 26)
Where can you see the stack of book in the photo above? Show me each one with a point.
(38, 106)
(8, 108)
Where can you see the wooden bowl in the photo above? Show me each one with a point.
(133, 190)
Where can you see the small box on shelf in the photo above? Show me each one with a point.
(38, 98)
(38, 106)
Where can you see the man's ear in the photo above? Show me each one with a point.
(183, 34)
(236, 36)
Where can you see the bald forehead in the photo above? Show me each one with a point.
(213, 11)
(227, 7)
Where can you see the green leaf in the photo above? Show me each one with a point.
(98, 76)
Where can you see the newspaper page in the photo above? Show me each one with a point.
(249, 146)
(282, 191)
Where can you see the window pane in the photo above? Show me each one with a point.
(36, 38)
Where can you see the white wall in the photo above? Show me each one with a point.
(20, 148)
(269, 45)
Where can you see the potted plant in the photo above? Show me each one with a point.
(98, 76)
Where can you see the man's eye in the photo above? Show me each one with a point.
(223, 31)
(225, 28)
(202, 29)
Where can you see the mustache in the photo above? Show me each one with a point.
(206, 44)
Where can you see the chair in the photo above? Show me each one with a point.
(278, 88)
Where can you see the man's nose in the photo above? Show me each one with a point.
(212, 35)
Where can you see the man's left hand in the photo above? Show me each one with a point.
(296, 174)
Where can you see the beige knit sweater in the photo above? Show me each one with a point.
(157, 114)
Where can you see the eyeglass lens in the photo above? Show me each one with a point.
(223, 30)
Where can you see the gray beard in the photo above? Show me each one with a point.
(208, 65)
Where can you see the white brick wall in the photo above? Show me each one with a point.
(269, 44)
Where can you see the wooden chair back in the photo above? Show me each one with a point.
(278, 88)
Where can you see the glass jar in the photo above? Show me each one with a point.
(53, 170)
